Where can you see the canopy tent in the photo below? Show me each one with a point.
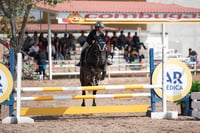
(121, 13)
(62, 28)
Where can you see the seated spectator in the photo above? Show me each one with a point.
(114, 40)
(55, 38)
(27, 43)
(129, 39)
(42, 38)
(136, 42)
(127, 50)
(134, 56)
(122, 39)
(58, 55)
(192, 55)
(72, 42)
(65, 51)
(33, 51)
(63, 40)
(106, 37)
(41, 45)
(81, 39)
(34, 38)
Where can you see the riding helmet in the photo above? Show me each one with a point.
(99, 24)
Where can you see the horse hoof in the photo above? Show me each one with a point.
(94, 104)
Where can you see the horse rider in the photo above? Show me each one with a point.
(95, 35)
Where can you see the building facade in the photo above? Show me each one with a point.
(180, 36)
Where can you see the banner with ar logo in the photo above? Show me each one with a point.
(178, 80)
(6, 83)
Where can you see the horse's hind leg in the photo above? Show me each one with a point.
(83, 103)
(94, 102)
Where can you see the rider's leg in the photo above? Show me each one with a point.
(82, 53)
(143, 45)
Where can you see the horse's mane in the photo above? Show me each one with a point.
(97, 53)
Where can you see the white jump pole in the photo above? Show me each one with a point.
(49, 47)
(164, 103)
(19, 77)
(164, 114)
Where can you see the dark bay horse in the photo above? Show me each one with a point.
(93, 68)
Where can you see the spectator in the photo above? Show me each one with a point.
(41, 37)
(33, 51)
(136, 42)
(134, 56)
(55, 38)
(41, 45)
(129, 39)
(42, 61)
(63, 40)
(72, 40)
(192, 55)
(65, 51)
(106, 37)
(114, 40)
(34, 39)
(127, 50)
(81, 39)
(58, 51)
(27, 43)
(122, 39)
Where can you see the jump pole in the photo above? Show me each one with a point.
(90, 88)
(80, 97)
(18, 110)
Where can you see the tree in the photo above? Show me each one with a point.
(13, 9)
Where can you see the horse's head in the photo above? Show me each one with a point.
(101, 45)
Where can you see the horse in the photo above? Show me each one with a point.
(93, 67)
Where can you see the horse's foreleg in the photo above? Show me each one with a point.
(83, 103)
(94, 102)
(103, 75)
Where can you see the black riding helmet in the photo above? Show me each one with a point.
(99, 24)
